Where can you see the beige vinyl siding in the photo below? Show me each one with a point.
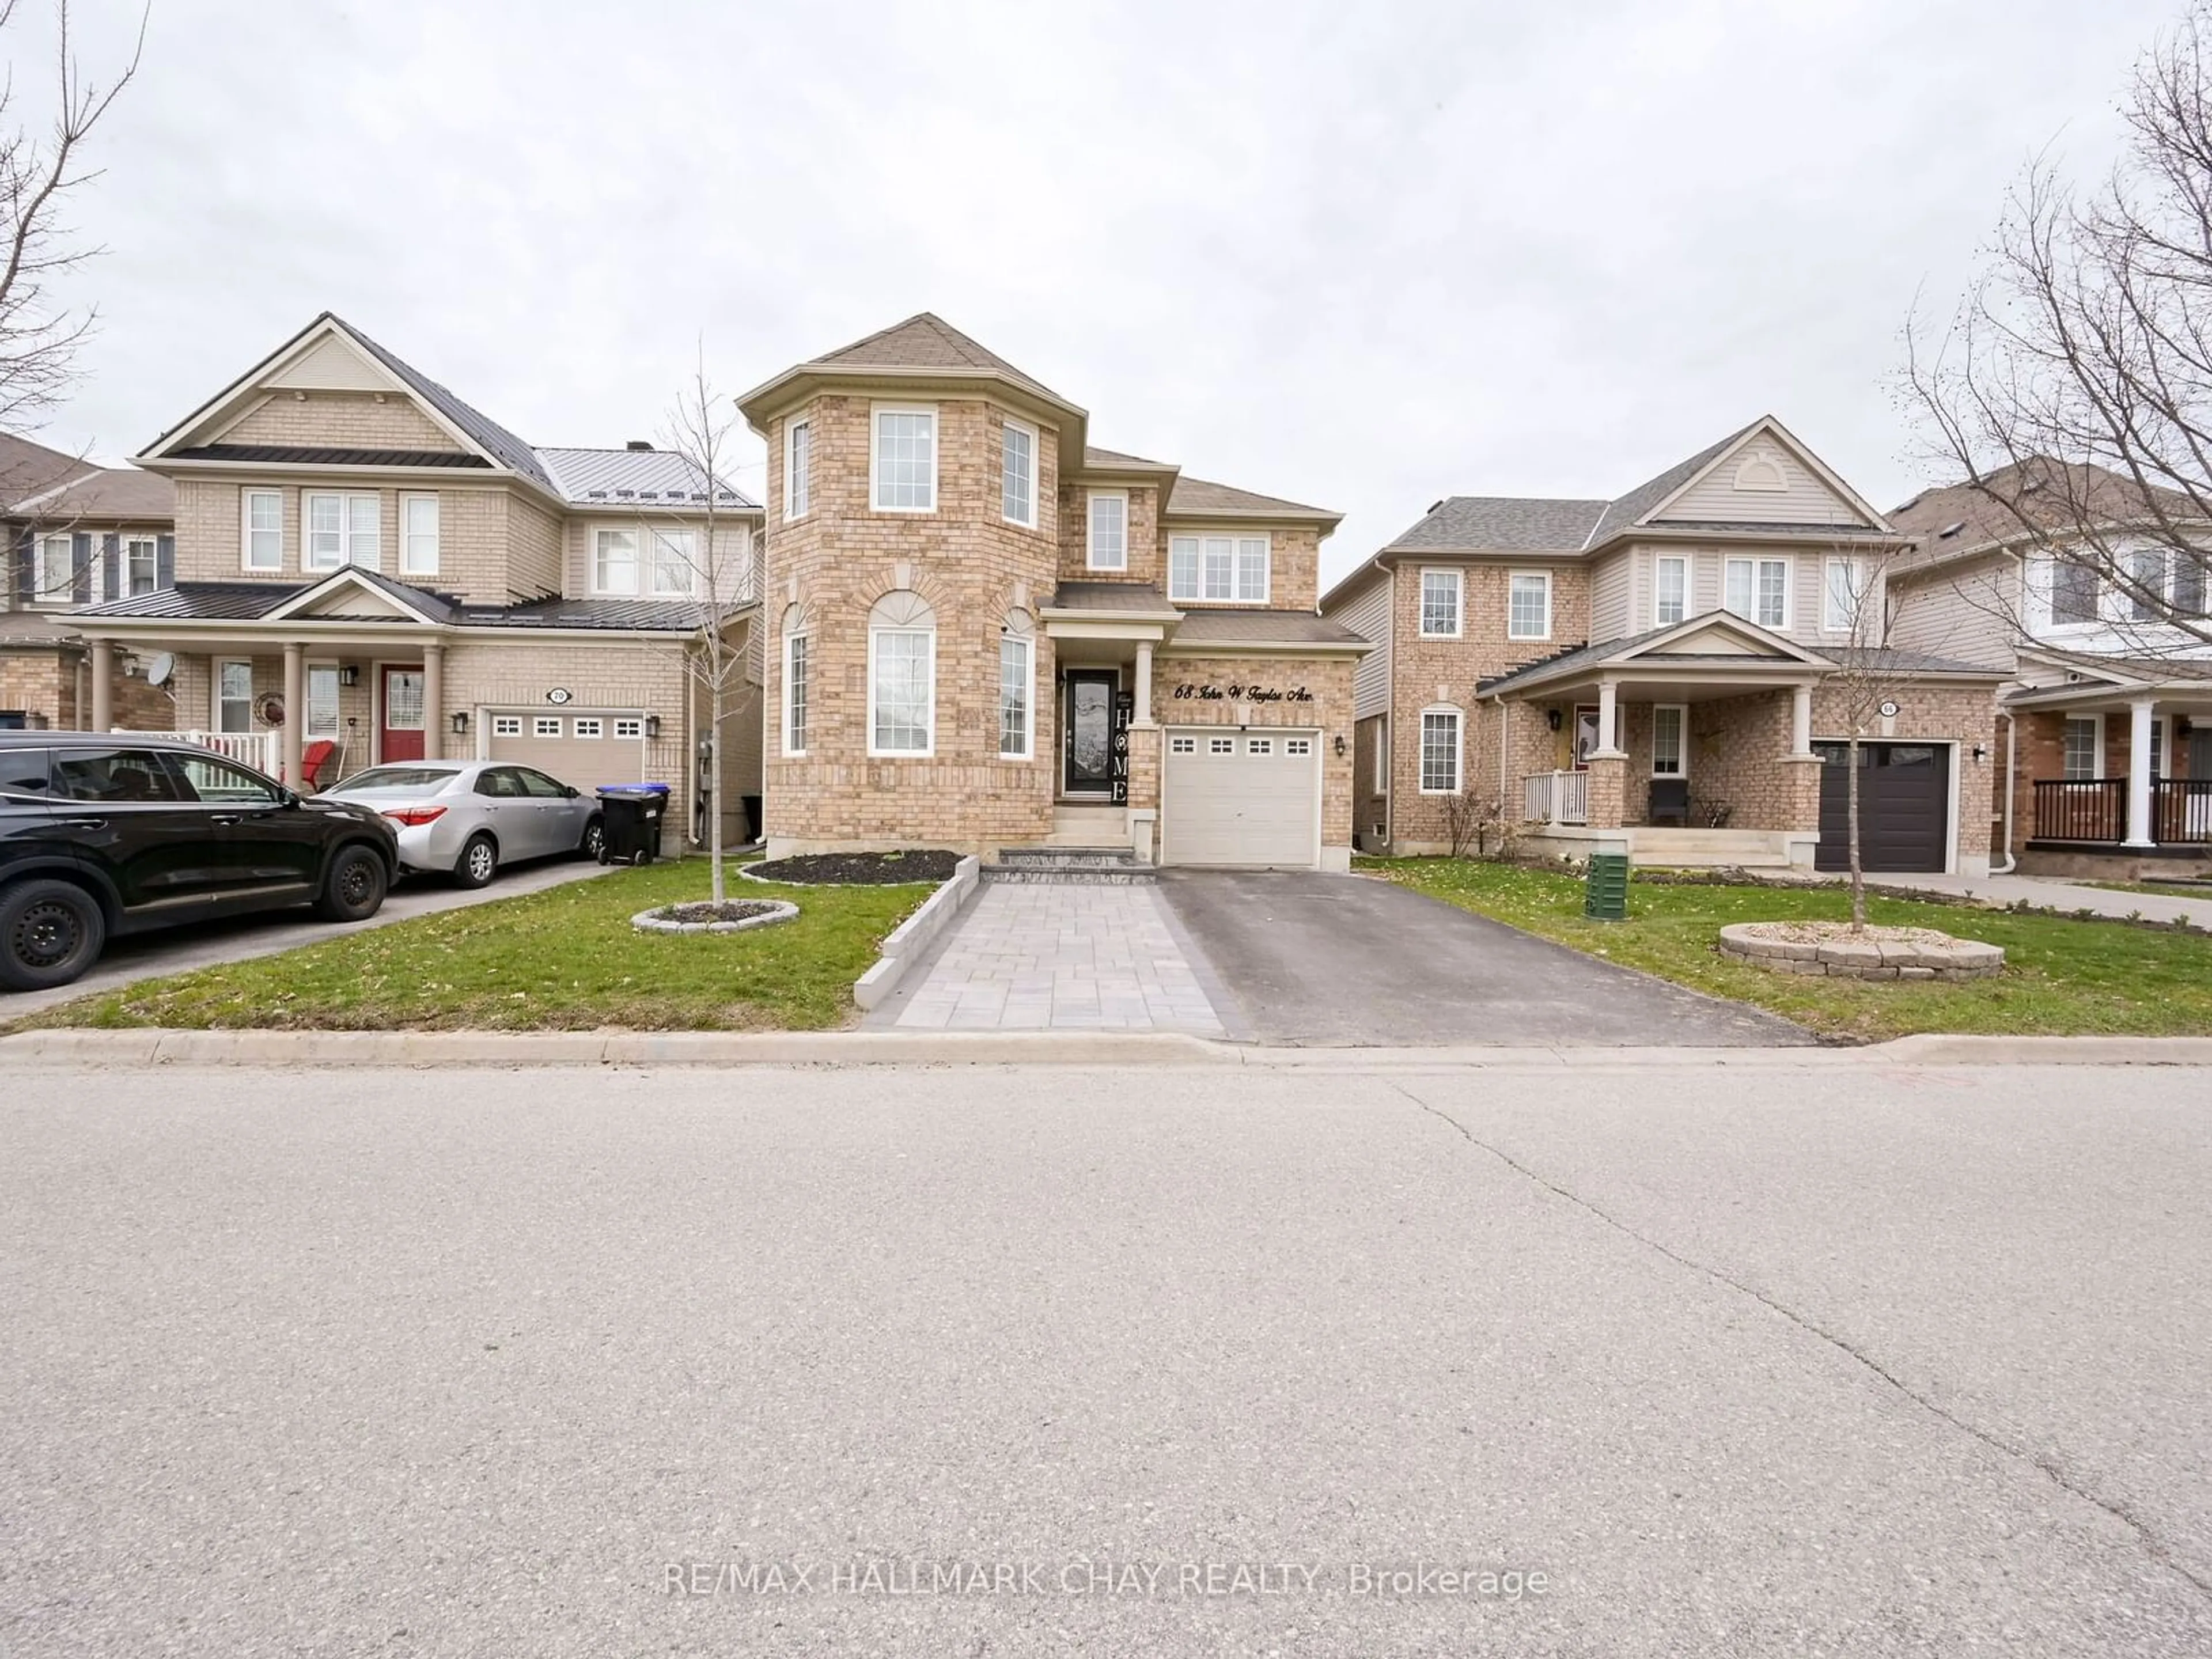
(1705, 581)
(1368, 614)
(1611, 595)
(1804, 500)
(332, 365)
(1962, 611)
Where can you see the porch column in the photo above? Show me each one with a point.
(103, 685)
(295, 710)
(1142, 715)
(1801, 720)
(434, 702)
(1608, 720)
(2139, 729)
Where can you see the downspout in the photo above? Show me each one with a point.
(2011, 787)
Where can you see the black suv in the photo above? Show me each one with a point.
(119, 834)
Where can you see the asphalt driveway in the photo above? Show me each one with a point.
(1321, 961)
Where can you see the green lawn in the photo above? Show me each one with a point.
(564, 959)
(2062, 976)
(2162, 889)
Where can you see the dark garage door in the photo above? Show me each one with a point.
(1905, 804)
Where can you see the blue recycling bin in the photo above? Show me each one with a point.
(630, 815)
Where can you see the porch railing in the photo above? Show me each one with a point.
(1555, 797)
(263, 751)
(2096, 809)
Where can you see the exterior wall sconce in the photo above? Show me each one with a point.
(652, 728)
(1980, 753)
(1551, 718)
(460, 722)
(349, 675)
(1339, 746)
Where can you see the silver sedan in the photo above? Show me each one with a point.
(466, 818)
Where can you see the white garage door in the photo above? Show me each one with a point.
(1247, 798)
(585, 750)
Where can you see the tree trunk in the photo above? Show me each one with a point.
(715, 797)
(1851, 836)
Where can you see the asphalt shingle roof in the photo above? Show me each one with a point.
(1196, 495)
(1507, 524)
(112, 494)
(1139, 596)
(926, 340)
(1264, 628)
(606, 478)
(1881, 661)
(1625, 510)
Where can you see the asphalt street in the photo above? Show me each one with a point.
(1791, 1359)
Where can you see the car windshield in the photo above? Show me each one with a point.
(426, 780)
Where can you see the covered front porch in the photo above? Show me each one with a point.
(1694, 748)
(2116, 772)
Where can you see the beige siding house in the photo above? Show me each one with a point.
(1674, 672)
(988, 633)
(367, 569)
(2103, 742)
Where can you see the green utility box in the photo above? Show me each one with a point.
(1606, 896)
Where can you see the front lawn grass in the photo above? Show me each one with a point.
(2062, 976)
(564, 959)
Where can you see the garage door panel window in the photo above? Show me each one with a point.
(1183, 746)
(902, 677)
(506, 725)
(1221, 745)
(1440, 732)
(546, 726)
(1231, 569)
(632, 728)
(588, 727)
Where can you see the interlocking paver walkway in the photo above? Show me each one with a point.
(1054, 956)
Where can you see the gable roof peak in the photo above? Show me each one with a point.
(926, 341)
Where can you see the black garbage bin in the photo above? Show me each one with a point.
(630, 814)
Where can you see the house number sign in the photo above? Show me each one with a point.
(559, 694)
(1187, 693)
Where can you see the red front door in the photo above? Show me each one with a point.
(403, 714)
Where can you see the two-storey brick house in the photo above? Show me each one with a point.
(1664, 672)
(985, 632)
(366, 565)
(76, 534)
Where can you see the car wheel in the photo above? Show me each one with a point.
(595, 843)
(479, 862)
(354, 888)
(50, 932)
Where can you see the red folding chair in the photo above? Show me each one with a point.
(316, 756)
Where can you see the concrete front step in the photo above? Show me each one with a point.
(1052, 853)
(1130, 875)
(1095, 865)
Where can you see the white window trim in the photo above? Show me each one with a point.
(1236, 566)
(124, 544)
(1459, 748)
(345, 498)
(1382, 779)
(637, 563)
(804, 495)
(1513, 576)
(1682, 735)
(407, 566)
(1865, 582)
(1658, 621)
(1007, 425)
(1788, 590)
(246, 530)
(215, 692)
(876, 411)
(648, 564)
(329, 664)
(1091, 529)
(2097, 749)
(929, 751)
(1028, 750)
(790, 640)
(1459, 602)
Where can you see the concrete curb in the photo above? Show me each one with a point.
(296, 1050)
(912, 938)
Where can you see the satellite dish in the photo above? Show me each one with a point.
(159, 670)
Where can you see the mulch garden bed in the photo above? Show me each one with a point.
(708, 910)
(858, 869)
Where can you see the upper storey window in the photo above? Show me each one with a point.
(343, 530)
(1231, 568)
(1440, 605)
(905, 459)
(262, 531)
(1757, 590)
(1109, 530)
(1018, 474)
(1528, 605)
(798, 456)
(669, 558)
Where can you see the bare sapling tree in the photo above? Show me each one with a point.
(714, 545)
(2072, 388)
(40, 334)
(1867, 686)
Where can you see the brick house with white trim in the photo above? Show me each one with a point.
(1660, 673)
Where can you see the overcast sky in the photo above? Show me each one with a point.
(1361, 254)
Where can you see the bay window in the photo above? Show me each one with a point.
(901, 676)
(1235, 568)
(1018, 474)
(797, 651)
(904, 461)
(1017, 657)
(798, 458)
